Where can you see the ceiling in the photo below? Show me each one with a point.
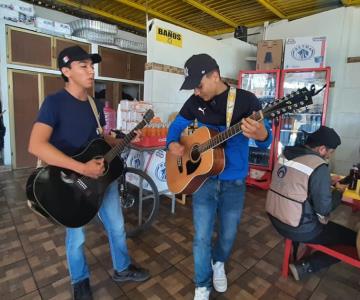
(208, 17)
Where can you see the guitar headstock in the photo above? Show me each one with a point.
(290, 103)
(148, 116)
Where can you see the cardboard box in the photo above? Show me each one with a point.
(9, 14)
(62, 28)
(269, 55)
(24, 8)
(45, 24)
(305, 52)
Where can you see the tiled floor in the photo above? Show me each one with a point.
(33, 262)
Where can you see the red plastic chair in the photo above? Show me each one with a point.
(347, 254)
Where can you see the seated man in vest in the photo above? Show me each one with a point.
(301, 198)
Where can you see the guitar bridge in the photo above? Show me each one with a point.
(180, 165)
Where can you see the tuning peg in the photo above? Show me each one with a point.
(295, 105)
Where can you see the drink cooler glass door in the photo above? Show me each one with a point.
(265, 86)
(295, 126)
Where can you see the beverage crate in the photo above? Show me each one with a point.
(151, 141)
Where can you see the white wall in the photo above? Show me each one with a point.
(162, 88)
(341, 27)
(255, 34)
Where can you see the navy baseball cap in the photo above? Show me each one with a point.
(324, 136)
(75, 53)
(195, 68)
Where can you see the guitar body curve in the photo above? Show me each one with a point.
(68, 198)
(189, 177)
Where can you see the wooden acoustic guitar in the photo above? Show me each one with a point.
(70, 199)
(204, 156)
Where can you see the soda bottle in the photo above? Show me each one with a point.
(110, 118)
(354, 178)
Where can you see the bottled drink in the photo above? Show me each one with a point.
(163, 130)
(152, 129)
(110, 118)
(354, 178)
(145, 131)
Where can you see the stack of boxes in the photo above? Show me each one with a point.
(52, 27)
(130, 113)
(17, 11)
(301, 52)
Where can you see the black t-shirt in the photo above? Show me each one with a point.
(73, 121)
(214, 112)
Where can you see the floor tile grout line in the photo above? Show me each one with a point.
(22, 246)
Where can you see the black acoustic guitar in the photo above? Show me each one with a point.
(70, 199)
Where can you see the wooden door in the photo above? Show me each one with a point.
(114, 64)
(24, 106)
(137, 66)
(113, 93)
(28, 48)
(51, 84)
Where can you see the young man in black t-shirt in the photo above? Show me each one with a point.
(65, 125)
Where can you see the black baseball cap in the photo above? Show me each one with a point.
(324, 136)
(195, 68)
(75, 53)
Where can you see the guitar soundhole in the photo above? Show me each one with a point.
(192, 166)
(195, 154)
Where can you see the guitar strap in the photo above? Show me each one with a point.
(230, 105)
(96, 113)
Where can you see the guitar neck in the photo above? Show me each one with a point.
(227, 134)
(115, 151)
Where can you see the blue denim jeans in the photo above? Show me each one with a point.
(112, 218)
(222, 200)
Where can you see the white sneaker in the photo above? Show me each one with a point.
(202, 293)
(219, 277)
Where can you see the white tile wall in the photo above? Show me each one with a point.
(162, 90)
(344, 99)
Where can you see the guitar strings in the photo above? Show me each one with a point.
(279, 106)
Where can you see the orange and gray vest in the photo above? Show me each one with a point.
(289, 187)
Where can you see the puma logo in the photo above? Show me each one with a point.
(202, 110)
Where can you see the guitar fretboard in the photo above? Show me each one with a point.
(225, 135)
(116, 150)
(296, 100)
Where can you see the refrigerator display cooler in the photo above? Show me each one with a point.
(265, 85)
(294, 127)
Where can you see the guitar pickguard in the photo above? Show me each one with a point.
(192, 166)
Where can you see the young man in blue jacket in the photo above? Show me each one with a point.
(221, 197)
